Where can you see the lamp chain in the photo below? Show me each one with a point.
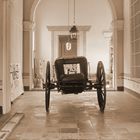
(68, 15)
(74, 14)
(68, 19)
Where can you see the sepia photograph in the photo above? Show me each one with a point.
(69, 69)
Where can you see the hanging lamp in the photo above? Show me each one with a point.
(68, 43)
(73, 31)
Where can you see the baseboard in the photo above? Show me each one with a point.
(1, 110)
(132, 92)
(26, 88)
(120, 88)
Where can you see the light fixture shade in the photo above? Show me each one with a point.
(73, 32)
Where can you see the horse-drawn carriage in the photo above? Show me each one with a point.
(72, 77)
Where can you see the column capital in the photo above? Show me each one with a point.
(28, 26)
(118, 24)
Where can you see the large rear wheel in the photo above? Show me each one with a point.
(47, 87)
(101, 89)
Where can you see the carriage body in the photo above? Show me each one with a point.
(72, 77)
(71, 74)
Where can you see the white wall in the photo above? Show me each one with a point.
(11, 49)
(1, 50)
(1, 39)
(131, 81)
(127, 43)
(16, 48)
(90, 12)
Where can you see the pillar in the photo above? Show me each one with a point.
(6, 96)
(118, 26)
(27, 55)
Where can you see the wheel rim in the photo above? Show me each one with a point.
(47, 88)
(101, 90)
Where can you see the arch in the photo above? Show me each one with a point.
(33, 9)
(114, 17)
(36, 3)
(113, 9)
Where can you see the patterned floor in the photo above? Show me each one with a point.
(77, 117)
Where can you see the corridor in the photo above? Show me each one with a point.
(77, 117)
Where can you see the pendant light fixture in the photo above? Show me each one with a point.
(73, 30)
(68, 43)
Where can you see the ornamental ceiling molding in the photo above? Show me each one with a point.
(65, 28)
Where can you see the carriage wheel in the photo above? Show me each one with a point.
(47, 88)
(101, 90)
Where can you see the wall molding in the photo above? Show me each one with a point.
(132, 92)
(26, 88)
(121, 88)
(132, 84)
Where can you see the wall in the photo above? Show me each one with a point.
(97, 14)
(16, 49)
(127, 43)
(1, 50)
(1, 12)
(132, 67)
(11, 49)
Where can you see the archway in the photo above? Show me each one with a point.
(114, 16)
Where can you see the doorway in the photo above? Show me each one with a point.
(63, 52)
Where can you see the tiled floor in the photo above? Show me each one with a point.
(77, 117)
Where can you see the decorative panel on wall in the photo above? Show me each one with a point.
(135, 38)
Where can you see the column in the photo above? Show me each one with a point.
(28, 54)
(118, 26)
(6, 96)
